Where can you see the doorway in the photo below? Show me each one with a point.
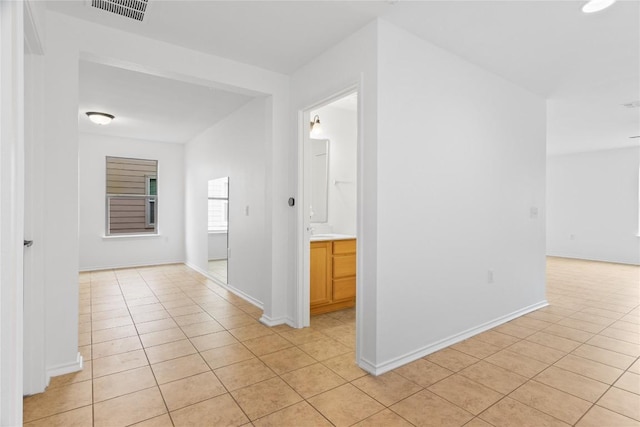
(328, 245)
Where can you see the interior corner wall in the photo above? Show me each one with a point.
(461, 198)
(592, 205)
(235, 147)
(353, 61)
(60, 202)
(100, 252)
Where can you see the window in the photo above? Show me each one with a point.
(218, 218)
(150, 207)
(132, 196)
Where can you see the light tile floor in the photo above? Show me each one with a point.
(163, 346)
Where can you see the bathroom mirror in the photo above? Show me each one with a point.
(218, 227)
(319, 179)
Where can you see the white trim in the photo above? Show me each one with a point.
(11, 211)
(230, 288)
(360, 234)
(302, 297)
(65, 368)
(133, 265)
(394, 363)
(282, 320)
(130, 236)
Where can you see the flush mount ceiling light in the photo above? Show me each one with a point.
(316, 128)
(100, 118)
(597, 5)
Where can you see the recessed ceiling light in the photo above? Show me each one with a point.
(100, 118)
(597, 5)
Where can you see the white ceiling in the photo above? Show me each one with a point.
(585, 65)
(149, 107)
(349, 102)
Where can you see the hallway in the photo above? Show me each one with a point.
(164, 346)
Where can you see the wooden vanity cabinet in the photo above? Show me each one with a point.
(333, 275)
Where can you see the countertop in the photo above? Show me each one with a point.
(330, 236)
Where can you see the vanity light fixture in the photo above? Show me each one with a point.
(100, 118)
(316, 128)
(597, 5)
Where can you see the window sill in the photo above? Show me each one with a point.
(131, 236)
(218, 232)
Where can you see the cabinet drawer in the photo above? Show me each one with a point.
(344, 266)
(344, 288)
(344, 246)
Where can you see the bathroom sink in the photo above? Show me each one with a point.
(331, 236)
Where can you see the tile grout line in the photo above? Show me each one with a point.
(190, 293)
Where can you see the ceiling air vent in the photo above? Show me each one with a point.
(133, 9)
(634, 104)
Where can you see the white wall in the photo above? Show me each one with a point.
(217, 246)
(100, 252)
(67, 39)
(234, 147)
(461, 162)
(448, 174)
(340, 127)
(60, 212)
(592, 201)
(351, 62)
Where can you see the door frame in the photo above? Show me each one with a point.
(35, 378)
(302, 296)
(11, 209)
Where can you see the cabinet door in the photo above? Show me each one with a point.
(344, 288)
(320, 273)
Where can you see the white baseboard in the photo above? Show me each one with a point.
(282, 320)
(131, 265)
(244, 296)
(383, 367)
(65, 368)
(368, 366)
(230, 288)
(592, 258)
